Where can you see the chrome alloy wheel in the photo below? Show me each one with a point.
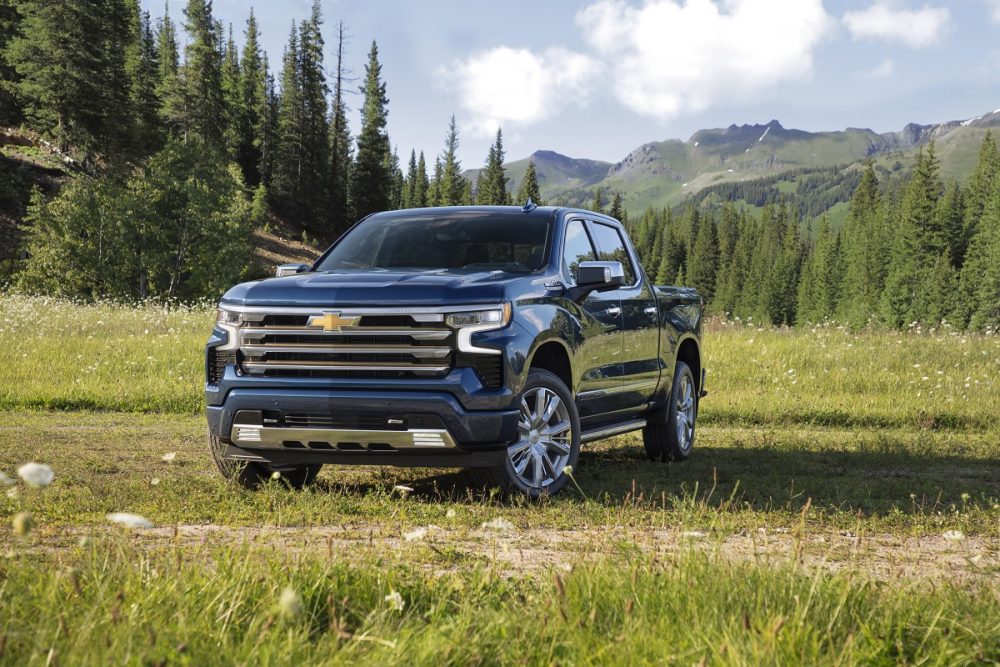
(545, 434)
(684, 415)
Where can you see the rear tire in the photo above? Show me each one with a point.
(250, 475)
(669, 433)
(548, 440)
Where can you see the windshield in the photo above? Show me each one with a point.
(467, 240)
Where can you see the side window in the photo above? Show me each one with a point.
(611, 248)
(577, 248)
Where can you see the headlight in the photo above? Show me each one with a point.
(229, 321)
(230, 317)
(494, 318)
(475, 321)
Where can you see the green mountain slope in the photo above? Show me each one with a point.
(665, 173)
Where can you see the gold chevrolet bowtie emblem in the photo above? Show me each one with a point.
(332, 321)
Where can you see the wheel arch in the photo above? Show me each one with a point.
(689, 351)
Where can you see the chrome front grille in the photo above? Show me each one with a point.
(373, 345)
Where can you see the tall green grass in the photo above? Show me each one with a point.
(106, 603)
(149, 359)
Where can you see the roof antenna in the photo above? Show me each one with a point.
(529, 206)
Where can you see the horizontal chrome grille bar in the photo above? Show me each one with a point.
(416, 334)
(344, 366)
(311, 348)
(264, 437)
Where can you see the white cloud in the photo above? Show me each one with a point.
(888, 21)
(883, 70)
(667, 57)
(994, 7)
(506, 86)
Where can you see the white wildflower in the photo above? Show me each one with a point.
(568, 470)
(415, 535)
(275, 476)
(965, 497)
(289, 604)
(154, 481)
(451, 513)
(693, 534)
(953, 535)
(403, 491)
(130, 520)
(395, 600)
(498, 523)
(36, 474)
(168, 457)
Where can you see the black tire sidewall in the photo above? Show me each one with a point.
(542, 378)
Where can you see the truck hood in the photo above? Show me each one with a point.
(373, 289)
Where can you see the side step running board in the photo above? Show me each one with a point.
(602, 432)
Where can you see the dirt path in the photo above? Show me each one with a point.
(881, 556)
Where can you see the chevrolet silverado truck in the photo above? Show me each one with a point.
(494, 338)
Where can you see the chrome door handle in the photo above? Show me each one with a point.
(650, 311)
(613, 310)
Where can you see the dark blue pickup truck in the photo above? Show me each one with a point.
(496, 338)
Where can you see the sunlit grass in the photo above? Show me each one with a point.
(150, 359)
(104, 603)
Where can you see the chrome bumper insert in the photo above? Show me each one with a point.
(253, 436)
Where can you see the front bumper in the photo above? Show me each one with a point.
(359, 427)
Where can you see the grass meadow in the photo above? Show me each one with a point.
(842, 506)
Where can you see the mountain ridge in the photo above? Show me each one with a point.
(663, 173)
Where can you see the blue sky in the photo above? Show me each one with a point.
(597, 79)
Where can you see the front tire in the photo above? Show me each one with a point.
(669, 433)
(250, 475)
(548, 439)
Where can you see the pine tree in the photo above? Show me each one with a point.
(10, 22)
(232, 98)
(315, 133)
(371, 181)
(143, 68)
(818, 285)
(980, 279)
(951, 220)
(397, 180)
(170, 86)
(70, 59)
(411, 181)
(597, 203)
(340, 147)
(491, 187)
(528, 189)
(980, 186)
(703, 265)
(286, 178)
(266, 134)
(452, 187)
(617, 210)
(434, 190)
(422, 186)
(919, 241)
(204, 109)
(863, 252)
(252, 108)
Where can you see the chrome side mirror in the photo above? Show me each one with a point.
(600, 276)
(290, 269)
